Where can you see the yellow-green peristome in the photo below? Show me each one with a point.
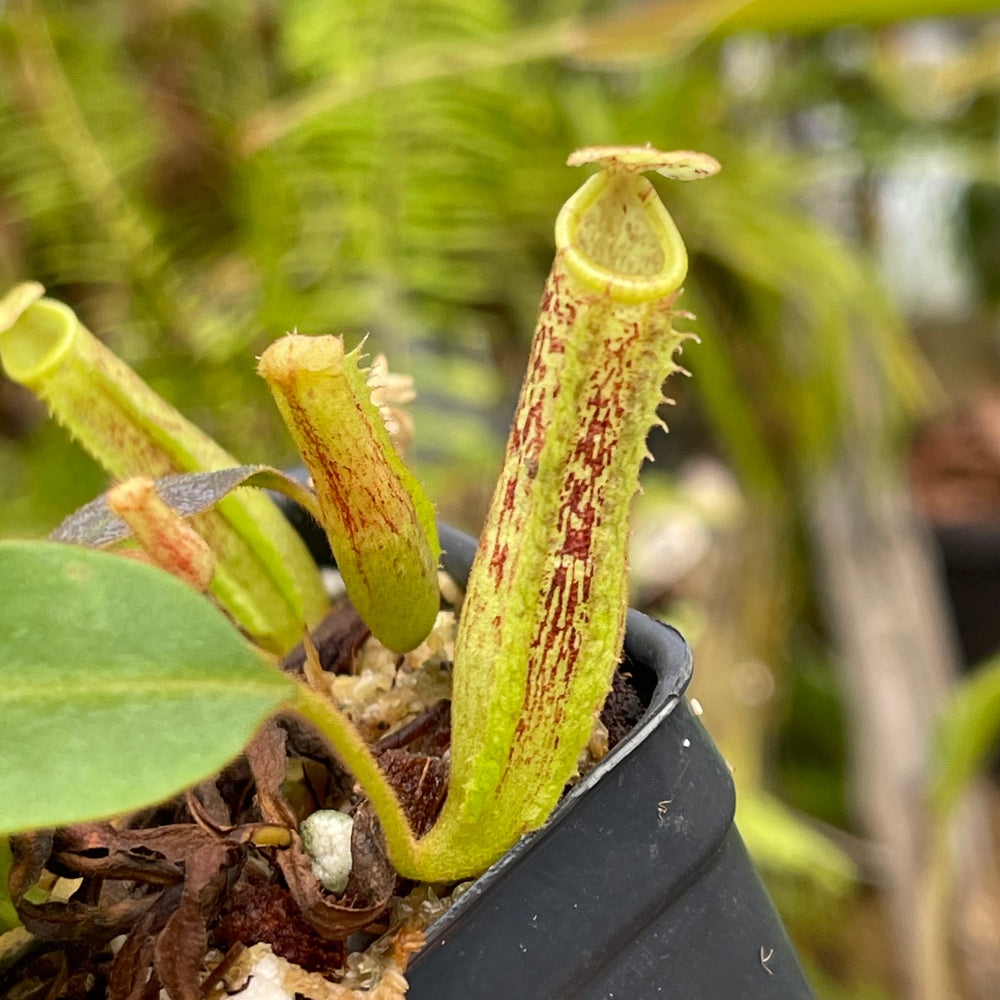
(615, 233)
(264, 575)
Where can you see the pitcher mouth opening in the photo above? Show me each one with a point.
(36, 339)
(646, 260)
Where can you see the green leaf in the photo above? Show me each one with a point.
(821, 15)
(968, 728)
(119, 685)
(786, 844)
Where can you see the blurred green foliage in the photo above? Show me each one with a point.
(196, 178)
(408, 191)
(968, 730)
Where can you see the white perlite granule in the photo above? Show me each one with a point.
(326, 836)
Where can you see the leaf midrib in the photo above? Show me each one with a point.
(141, 689)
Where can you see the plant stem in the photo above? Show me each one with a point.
(359, 760)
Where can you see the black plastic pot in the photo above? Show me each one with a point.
(639, 885)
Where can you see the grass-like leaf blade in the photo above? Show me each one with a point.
(967, 730)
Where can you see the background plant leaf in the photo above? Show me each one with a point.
(968, 728)
(119, 686)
